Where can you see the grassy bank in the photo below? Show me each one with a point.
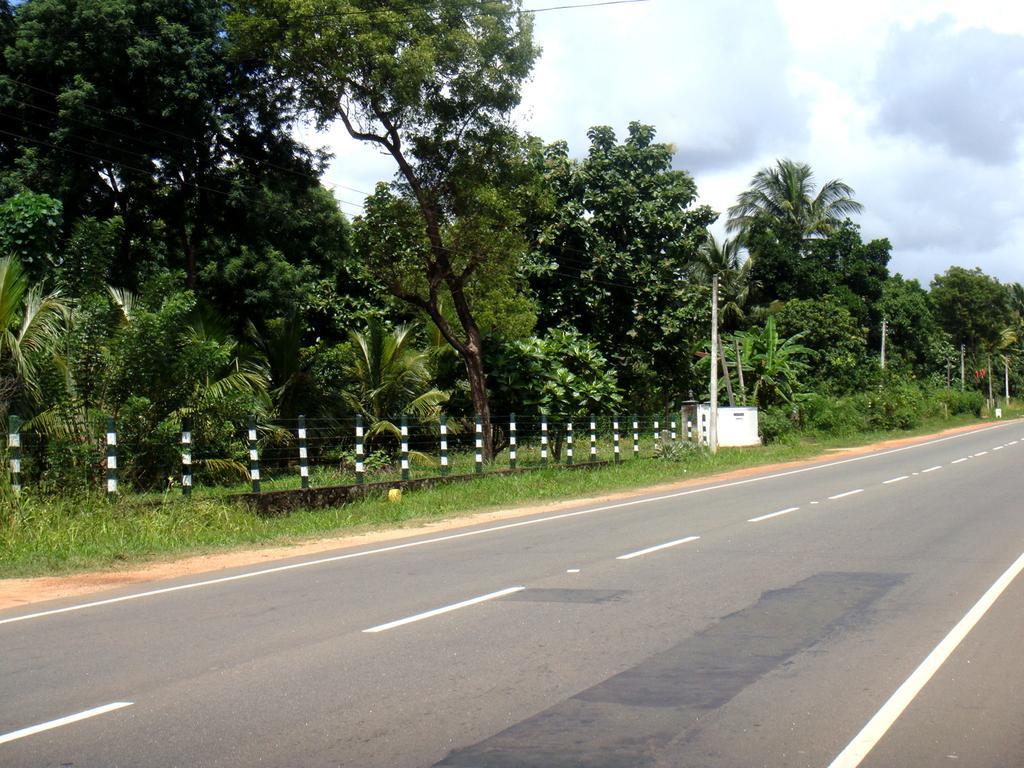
(61, 535)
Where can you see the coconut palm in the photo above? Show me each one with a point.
(390, 377)
(784, 193)
(31, 324)
(725, 259)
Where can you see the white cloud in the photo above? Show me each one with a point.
(735, 85)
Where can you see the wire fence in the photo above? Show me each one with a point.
(258, 456)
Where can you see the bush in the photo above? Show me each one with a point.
(834, 415)
(962, 402)
(897, 405)
(775, 424)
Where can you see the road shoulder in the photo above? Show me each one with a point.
(21, 592)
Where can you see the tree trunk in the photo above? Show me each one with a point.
(739, 371)
(725, 373)
(473, 358)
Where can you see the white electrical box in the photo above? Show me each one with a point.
(737, 427)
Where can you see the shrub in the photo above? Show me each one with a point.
(775, 424)
(963, 402)
(897, 405)
(834, 415)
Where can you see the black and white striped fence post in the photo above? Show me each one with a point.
(186, 457)
(14, 444)
(568, 444)
(254, 456)
(479, 445)
(593, 438)
(543, 439)
(111, 458)
(405, 447)
(689, 429)
(444, 445)
(615, 439)
(657, 435)
(360, 466)
(673, 432)
(512, 441)
(636, 437)
(303, 454)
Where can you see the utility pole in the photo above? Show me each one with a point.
(961, 367)
(1006, 373)
(713, 425)
(885, 327)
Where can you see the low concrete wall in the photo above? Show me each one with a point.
(281, 503)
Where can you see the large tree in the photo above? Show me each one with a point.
(616, 238)
(132, 111)
(431, 85)
(972, 307)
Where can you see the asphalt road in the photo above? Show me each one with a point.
(824, 617)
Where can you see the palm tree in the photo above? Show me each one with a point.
(31, 324)
(784, 194)
(725, 259)
(391, 378)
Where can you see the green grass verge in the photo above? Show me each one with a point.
(63, 535)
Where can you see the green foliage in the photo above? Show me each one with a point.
(915, 340)
(562, 374)
(390, 377)
(838, 416)
(784, 195)
(680, 450)
(31, 325)
(434, 89)
(897, 405)
(30, 226)
(972, 307)
(776, 424)
(836, 346)
(966, 402)
(130, 112)
(772, 365)
(88, 255)
(616, 237)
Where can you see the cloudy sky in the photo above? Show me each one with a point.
(919, 105)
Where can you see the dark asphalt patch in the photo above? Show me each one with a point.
(625, 721)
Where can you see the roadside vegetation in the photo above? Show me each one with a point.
(170, 263)
(56, 535)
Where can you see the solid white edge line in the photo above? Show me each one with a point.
(445, 609)
(845, 494)
(655, 548)
(895, 479)
(877, 726)
(773, 514)
(492, 529)
(33, 729)
(957, 461)
(930, 469)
